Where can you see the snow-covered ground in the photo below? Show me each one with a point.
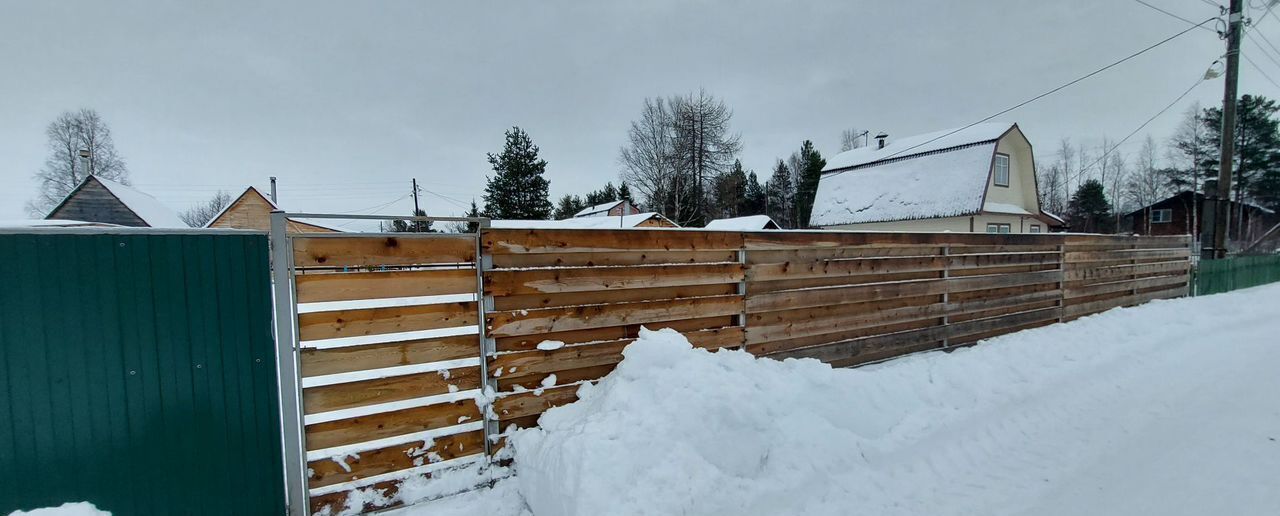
(1167, 408)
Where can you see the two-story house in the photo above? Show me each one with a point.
(977, 179)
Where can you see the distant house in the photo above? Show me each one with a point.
(105, 201)
(639, 220)
(1174, 216)
(747, 223)
(979, 179)
(609, 209)
(252, 210)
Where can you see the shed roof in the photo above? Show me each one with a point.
(625, 221)
(747, 223)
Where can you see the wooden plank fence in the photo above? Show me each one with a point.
(843, 298)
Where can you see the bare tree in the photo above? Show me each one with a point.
(852, 138)
(647, 158)
(1050, 179)
(199, 215)
(64, 168)
(1188, 152)
(1146, 183)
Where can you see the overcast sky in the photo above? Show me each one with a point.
(346, 101)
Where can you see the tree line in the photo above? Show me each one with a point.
(1094, 187)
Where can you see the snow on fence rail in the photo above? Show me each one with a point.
(559, 306)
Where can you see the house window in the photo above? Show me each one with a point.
(998, 228)
(1035, 228)
(1002, 170)
(1161, 216)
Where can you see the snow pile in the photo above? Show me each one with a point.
(1125, 412)
(937, 185)
(66, 509)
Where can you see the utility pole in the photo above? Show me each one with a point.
(1235, 19)
(416, 223)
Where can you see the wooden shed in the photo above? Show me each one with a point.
(105, 201)
(252, 210)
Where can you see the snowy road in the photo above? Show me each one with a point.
(1168, 408)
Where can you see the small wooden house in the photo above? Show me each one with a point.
(1174, 216)
(609, 209)
(104, 201)
(252, 210)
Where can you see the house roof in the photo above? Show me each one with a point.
(747, 223)
(919, 144)
(51, 223)
(599, 208)
(145, 207)
(625, 221)
(254, 191)
(1199, 197)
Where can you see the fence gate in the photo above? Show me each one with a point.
(388, 376)
(137, 372)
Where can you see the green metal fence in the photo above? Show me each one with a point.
(137, 372)
(1218, 276)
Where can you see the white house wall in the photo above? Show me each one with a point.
(1017, 224)
(1021, 191)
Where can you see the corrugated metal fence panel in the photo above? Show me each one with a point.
(1225, 275)
(138, 373)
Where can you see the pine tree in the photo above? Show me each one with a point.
(412, 226)
(569, 206)
(473, 227)
(807, 187)
(1089, 211)
(730, 191)
(624, 193)
(601, 196)
(753, 203)
(517, 189)
(781, 196)
(1257, 146)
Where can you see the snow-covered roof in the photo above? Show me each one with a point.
(626, 221)
(999, 207)
(747, 223)
(943, 184)
(598, 209)
(146, 207)
(918, 144)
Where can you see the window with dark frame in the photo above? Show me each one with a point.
(1002, 170)
(1035, 228)
(1162, 216)
(994, 227)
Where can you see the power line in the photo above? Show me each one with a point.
(1262, 49)
(1167, 13)
(1054, 90)
(1259, 69)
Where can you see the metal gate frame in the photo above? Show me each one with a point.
(288, 349)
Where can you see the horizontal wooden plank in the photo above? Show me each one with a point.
(782, 325)
(682, 324)
(327, 472)
(1120, 271)
(775, 346)
(1080, 310)
(529, 301)
(982, 261)
(384, 494)
(521, 404)
(377, 321)
(540, 321)
(350, 286)
(761, 287)
(1009, 308)
(879, 344)
(588, 279)
(390, 424)
(601, 353)
(1004, 322)
(518, 241)
(316, 362)
(384, 390)
(1003, 280)
(973, 338)
(1007, 269)
(806, 254)
(959, 308)
(836, 268)
(1124, 285)
(372, 251)
(612, 259)
(1097, 256)
(792, 239)
(534, 381)
(815, 297)
(960, 250)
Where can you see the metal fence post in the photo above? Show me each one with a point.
(742, 292)
(484, 305)
(287, 362)
(1062, 280)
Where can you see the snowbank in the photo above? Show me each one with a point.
(66, 509)
(994, 429)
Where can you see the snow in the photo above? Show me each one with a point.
(1132, 411)
(66, 509)
(596, 222)
(599, 210)
(936, 185)
(747, 223)
(913, 145)
(146, 207)
(549, 345)
(999, 207)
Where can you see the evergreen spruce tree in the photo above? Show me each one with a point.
(781, 196)
(1089, 211)
(412, 226)
(624, 193)
(754, 201)
(569, 206)
(517, 190)
(1257, 148)
(809, 175)
(730, 190)
(474, 212)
